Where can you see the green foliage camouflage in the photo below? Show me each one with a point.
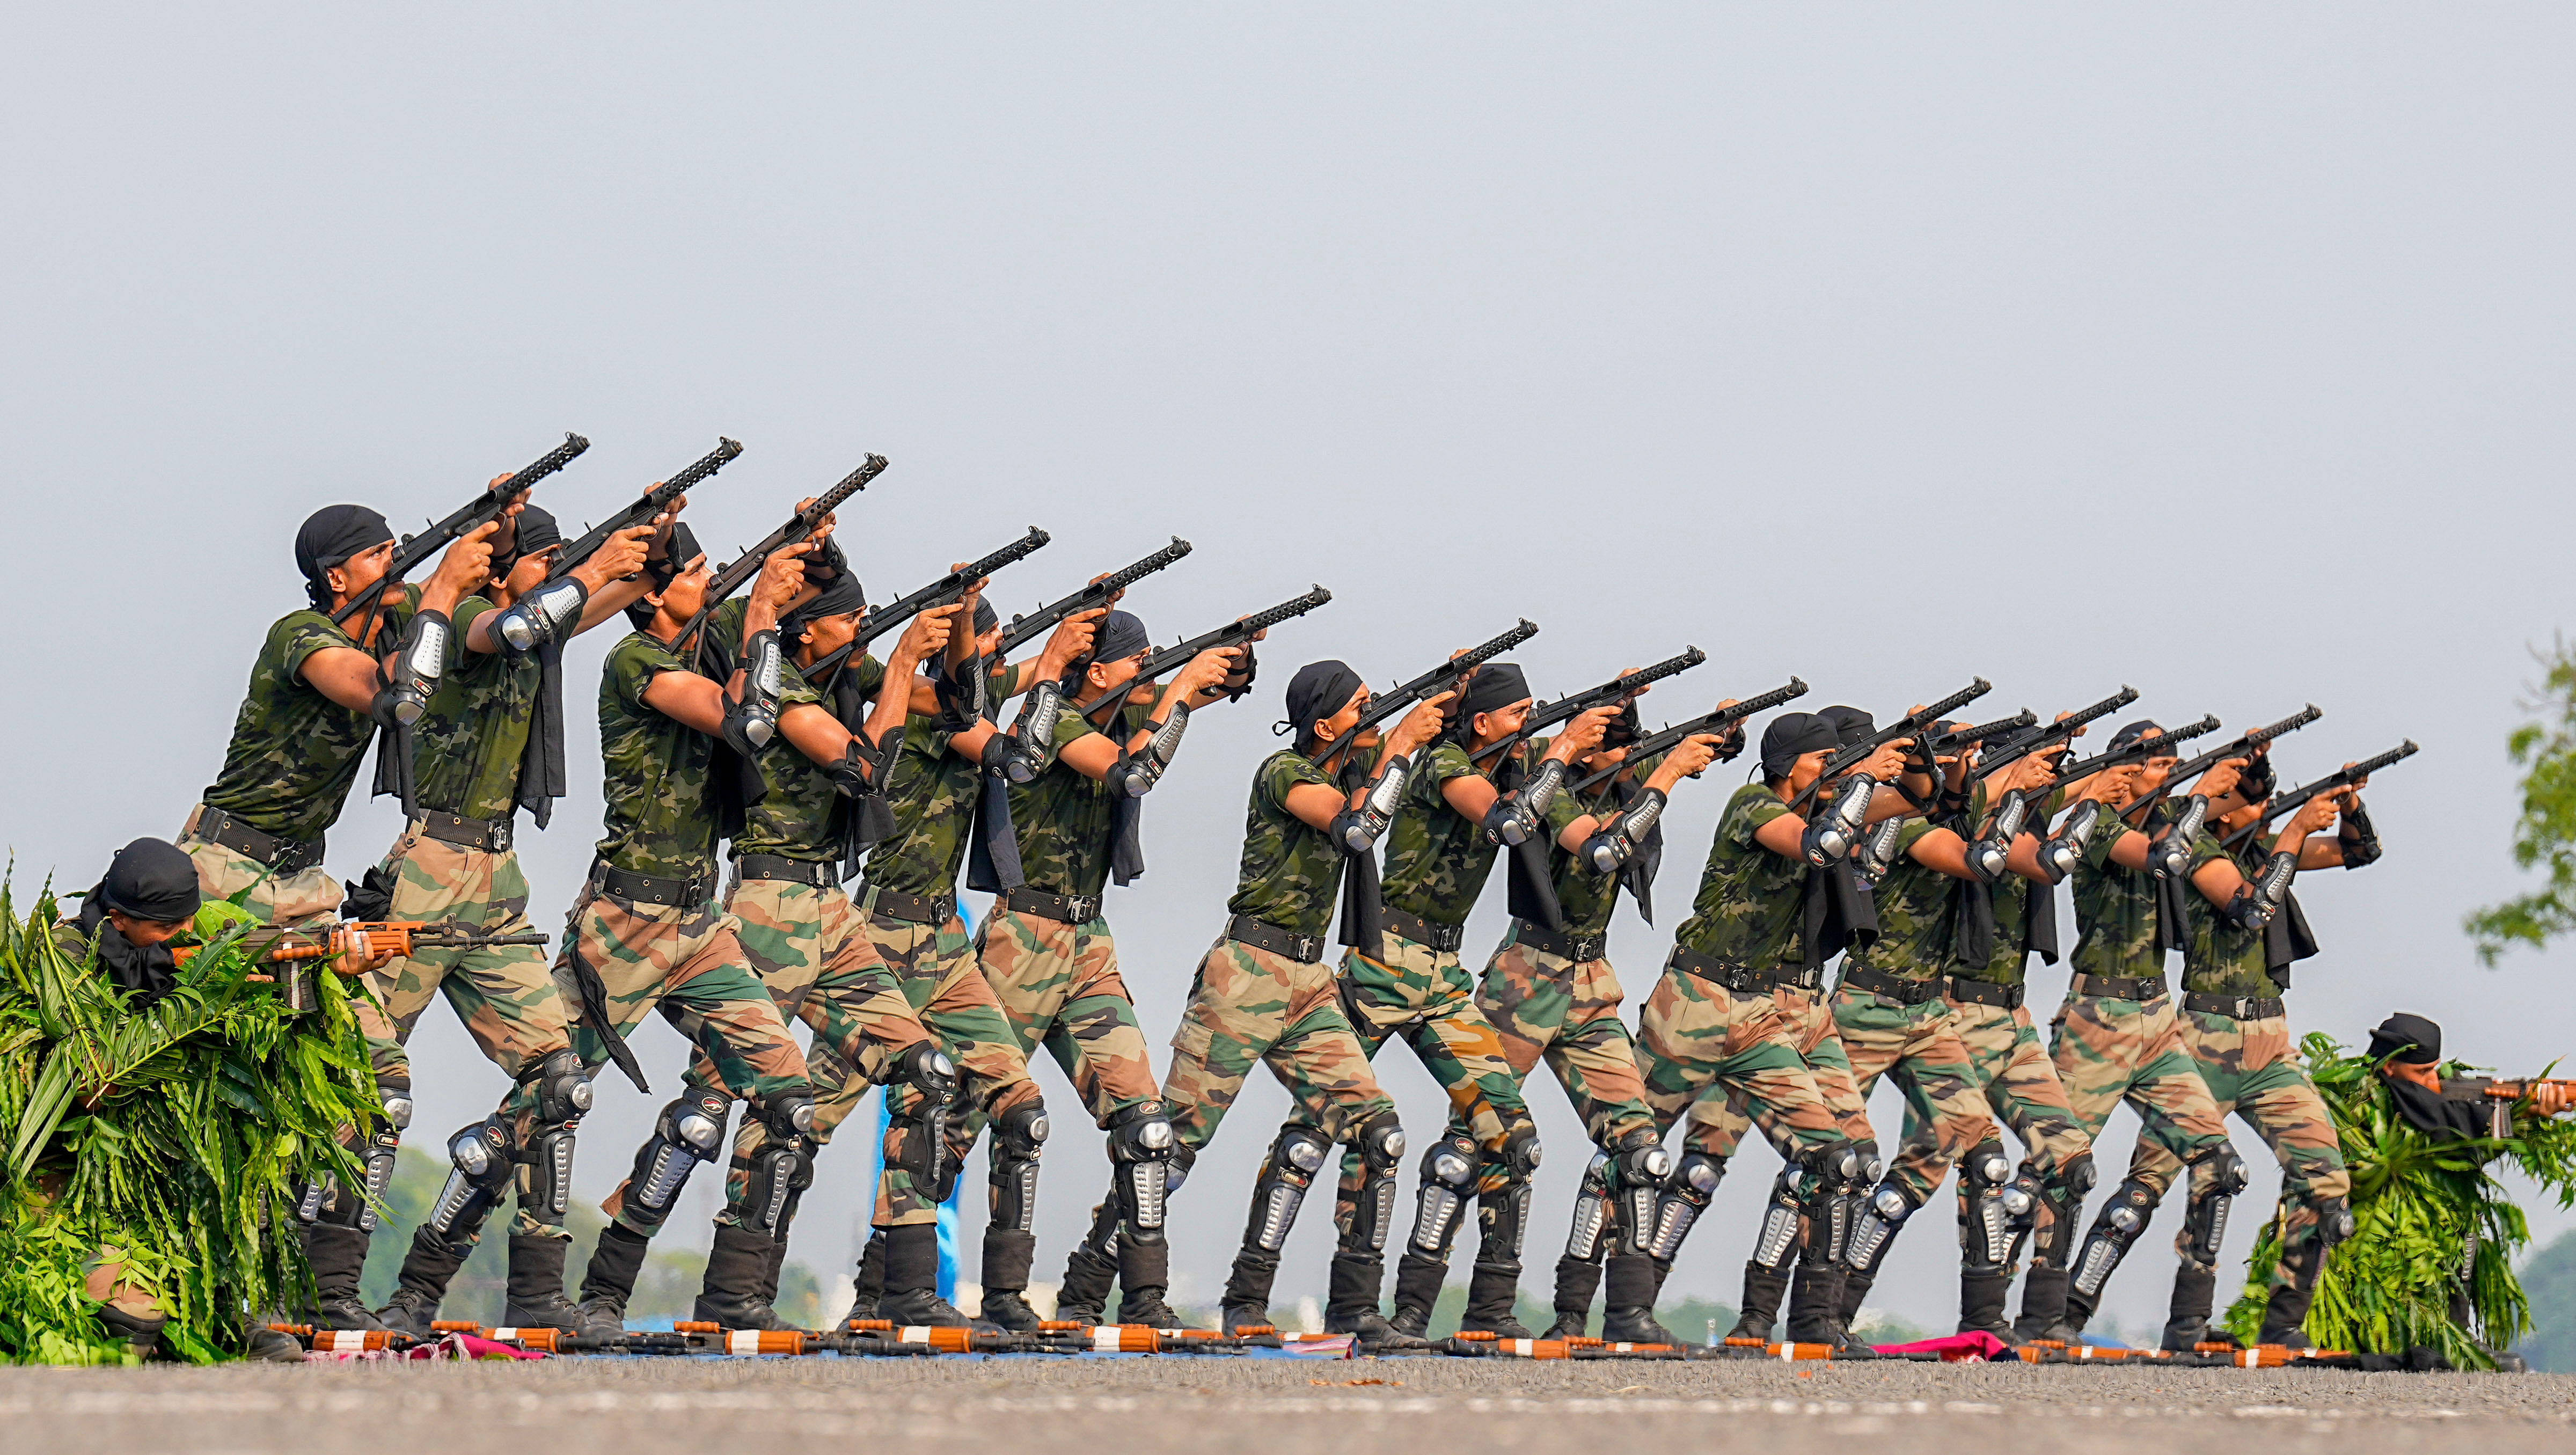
(2416, 1204)
(2544, 834)
(179, 1134)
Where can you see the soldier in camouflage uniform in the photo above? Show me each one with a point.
(1440, 849)
(2234, 1026)
(476, 759)
(2116, 1039)
(313, 704)
(1046, 950)
(941, 779)
(1265, 996)
(816, 782)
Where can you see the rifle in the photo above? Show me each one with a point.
(1232, 634)
(1951, 742)
(1023, 629)
(2057, 734)
(2297, 798)
(942, 592)
(1717, 721)
(2137, 752)
(403, 938)
(652, 503)
(2241, 747)
(1549, 714)
(484, 507)
(1910, 725)
(800, 526)
(1443, 678)
(2501, 1097)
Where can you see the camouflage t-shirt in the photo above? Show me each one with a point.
(1751, 903)
(1436, 861)
(1584, 896)
(1914, 908)
(2218, 957)
(2012, 899)
(932, 794)
(294, 752)
(2115, 908)
(1291, 870)
(658, 820)
(1063, 818)
(468, 745)
(799, 815)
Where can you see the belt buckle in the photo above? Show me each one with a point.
(1082, 909)
(501, 834)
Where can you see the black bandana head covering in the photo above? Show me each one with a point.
(839, 597)
(329, 537)
(538, 531)
(1791, 736)
(1121, 635)
(2132, 732)
(1495, 685)
(683, 549)
(2401, 1031)
(151, 879)
(986, 618)
(1319, 690)
(1850, 725)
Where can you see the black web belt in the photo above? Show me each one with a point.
(283, 856)
(913, 909)
(1444, 938)
(2236, 1007)
(812, 872)
(490, 835)
(1263, 935)
(1071, 909)
(650, 889)
(2120, 987)
(1894, 987)
(1986, 992)
(1739, 977)
(1578, 948)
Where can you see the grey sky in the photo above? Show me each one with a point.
(2220, 351)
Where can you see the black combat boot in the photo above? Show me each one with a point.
(1628, 1315)
(1856, 1287)
(338, 1254)
(1763, 1290)
(1493, 1293)
(536, 1299)
(2285, 1314)
(1577, 1279)
(1351, 1300)
(2079, 1312)
(427, 1268)
(1144, 1273)
(1083, 1297)
(1417, 1288)
(730, 1295)
(911, 1294)
(1007, 1256)
(1982, 1295)
(1246, 1301)
(2195, 1293)
(1815, 1298)
(867, 1281)
(142, 1335)
(264, 1345)
(2043, 1303)
(609, 1281)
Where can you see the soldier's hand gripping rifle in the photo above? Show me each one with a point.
(355, 944)
(2137, 752)
(1832, 835)
(2281, 804)
(1444, 678)
(1232, 634)
(1022, 630)
(552, 609)
(946, 591)
(1989, 856)
(2241, 747)
(2551, 1097)
(799, 527)
(1518, 818)
(1946, 744)
(1716, 722)
(412, 550)
(648, 505)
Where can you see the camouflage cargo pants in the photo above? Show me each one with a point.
(503, 994)
(1423, 995)
(1918, 1047)
(1565, 1012)
(2108, 1050)
(306, 899)
(2023, 1093)
(1723, 1060)
(2253, 1070)
(689, 958)
(811, 948)
(1252, 1007)
(1059, 985)
(935, 966)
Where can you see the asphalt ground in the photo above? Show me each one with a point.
(1151, 1405)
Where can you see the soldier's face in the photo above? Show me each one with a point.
(1333, 729)
(145, 932)
(531, 571)
(362, 570)
(825, 635)
(687, 592)
(1502, 722)
(1806, 768)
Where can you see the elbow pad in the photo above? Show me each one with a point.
(1990, 857)
(1004, 753)
(1542, 788)
(1877, 853)
(1137, 776)
(863, 769)
(2358, 840)
(2171, 856)
(1036, 727)
(1509, 823)
(2059, 856)
(1358, 830)
(1830, 839)
(2255, 904)
(403, 692)
(1609, 851)
(961, 703)
(752, 722)
(547, 614)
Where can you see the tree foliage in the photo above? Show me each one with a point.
(2544, 835)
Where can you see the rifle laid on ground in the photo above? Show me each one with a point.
(483, 508)
(1717, 721)
(650, 504)
(1444, 678)
(1023, 629)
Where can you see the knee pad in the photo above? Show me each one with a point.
(2334, 1220)
(688, 1132)
(921, 1131)
(1593, 1212)
(2115, 1230)
(1019, 1137)
(1777, 1236)
(1141, 1141)
(563, 1093)
(1683, 1197)
(2205, 1219)
(1520, 1152)
(1380, 1143)
(779, 1175)
(483, 1160)
(383, 1149)
(1997, 1208)
(1636, 1174)
(1296, 1155)
(1873, 1232)
(1448, 1178)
